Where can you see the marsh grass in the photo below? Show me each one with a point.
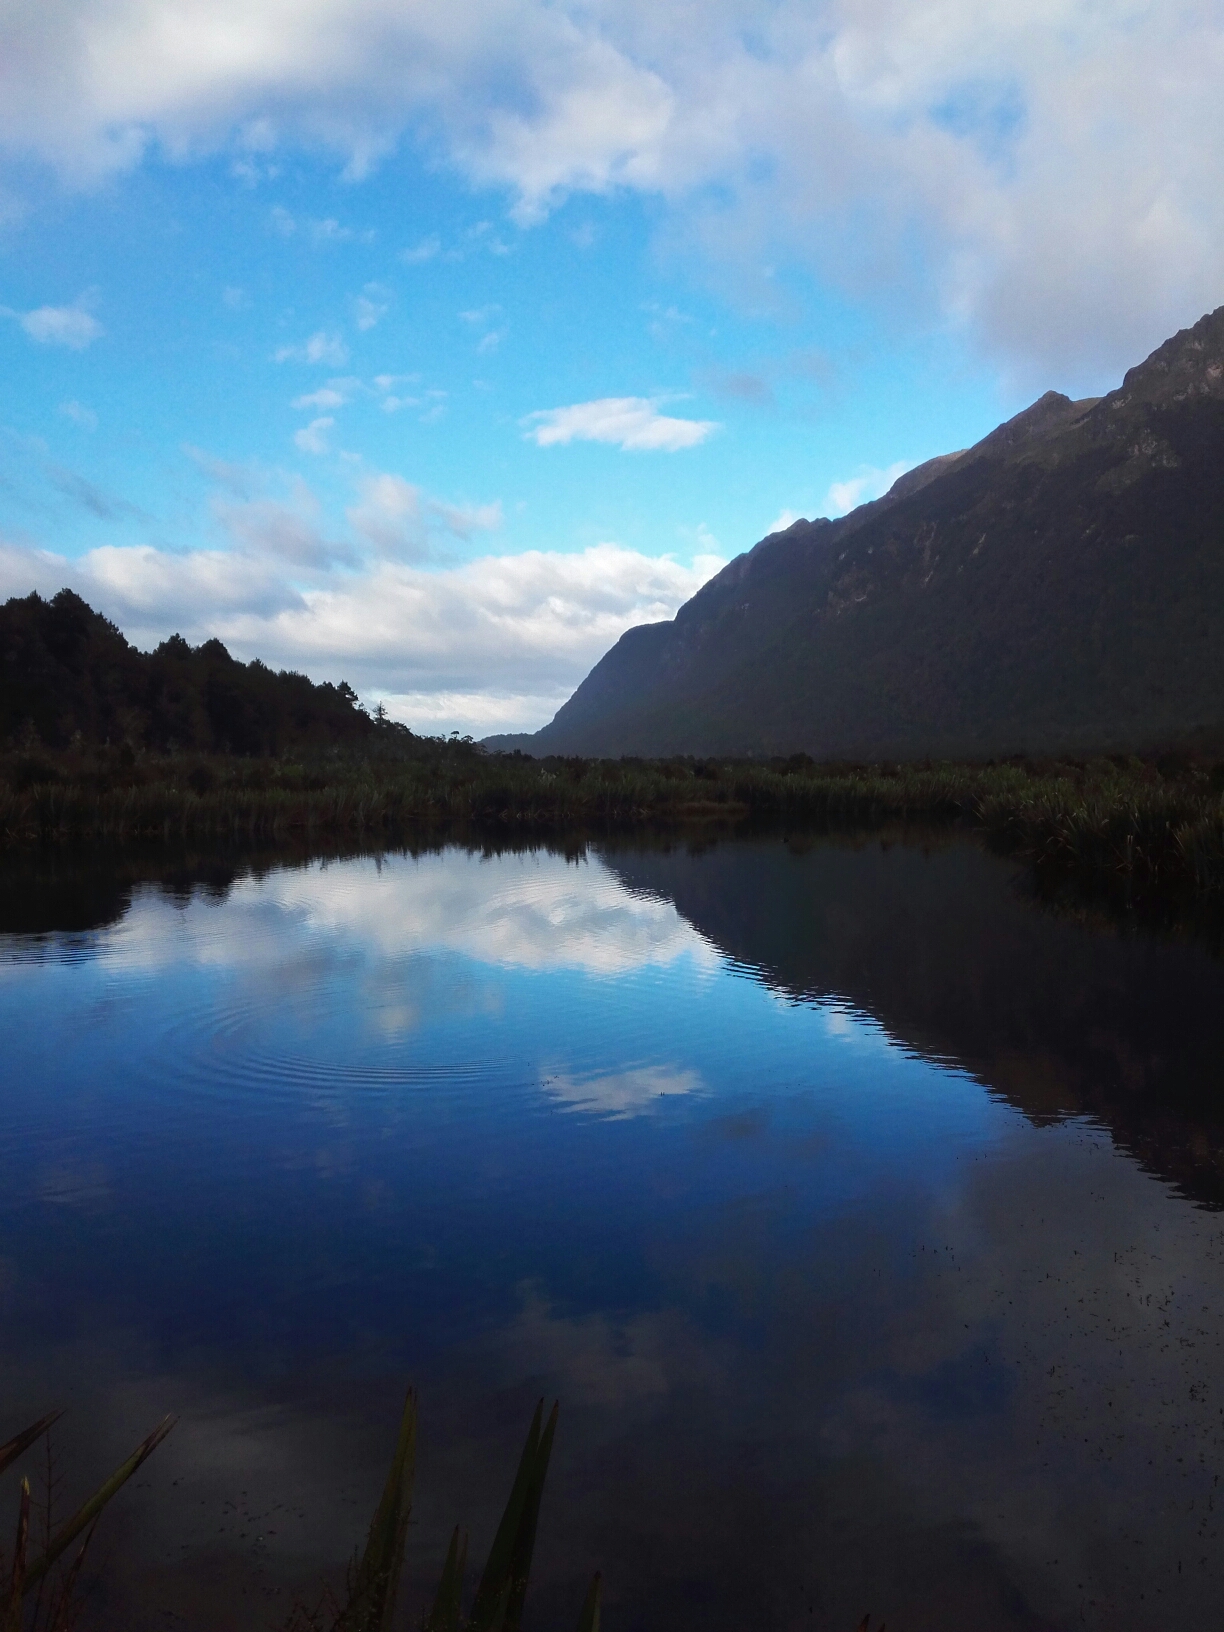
(501, 1593)
(372, 1585)
(41, 1594)
(1155, 822)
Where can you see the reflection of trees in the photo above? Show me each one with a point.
(1060, 1018)
(69, 893)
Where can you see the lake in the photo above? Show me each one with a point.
(862, 1213)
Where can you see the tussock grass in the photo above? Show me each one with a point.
(1156, 822)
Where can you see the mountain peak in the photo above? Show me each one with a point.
(1190, 364)
(1057, 588)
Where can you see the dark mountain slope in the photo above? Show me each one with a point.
(1058, 586)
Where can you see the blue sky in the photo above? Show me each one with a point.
(433, 346)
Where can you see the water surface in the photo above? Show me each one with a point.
(862, 1215)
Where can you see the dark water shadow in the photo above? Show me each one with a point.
(1071, 1012)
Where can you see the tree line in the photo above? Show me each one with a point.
(68, 676)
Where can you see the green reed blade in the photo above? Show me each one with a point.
(496, 1577)
(588, 1621)
(444, 1616)
(22, 1442)
(12, 1617)
(98, 1501)
(524, 1545)
(375, 1580)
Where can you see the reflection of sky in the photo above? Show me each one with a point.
(535, 911)
(503, 1126)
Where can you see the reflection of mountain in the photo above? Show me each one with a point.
(936, 943)
(940, 948)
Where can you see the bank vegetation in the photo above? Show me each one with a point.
(1157, 821)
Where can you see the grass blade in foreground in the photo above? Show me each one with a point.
(21, 1442)
(375, 1579)
(489, 1594)
(444, 1616)
(87, 1514)
(588, 1621)
(12, 1617)
(524, 1541)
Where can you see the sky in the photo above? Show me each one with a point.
(432, 345)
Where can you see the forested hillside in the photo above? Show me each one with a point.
(68, 675)
(1059, 587)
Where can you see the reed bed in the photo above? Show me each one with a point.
(1157, 823)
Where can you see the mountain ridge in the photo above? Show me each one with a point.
(1059, 586)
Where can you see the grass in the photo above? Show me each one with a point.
(1156, 822)
(373, 1581)
(55, 1605)
(372, 1587)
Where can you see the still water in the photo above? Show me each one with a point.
(861, 1213)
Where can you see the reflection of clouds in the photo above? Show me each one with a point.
(534, 911)
(599, 1359)
(1055, 1380)
(621, 1094)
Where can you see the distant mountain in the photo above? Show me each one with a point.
(67, 673)
(1059, 586)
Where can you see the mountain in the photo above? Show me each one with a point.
(1059, 586)
(67, 673)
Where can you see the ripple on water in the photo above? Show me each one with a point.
(228, 1046)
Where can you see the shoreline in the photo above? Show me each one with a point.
(1121, 822)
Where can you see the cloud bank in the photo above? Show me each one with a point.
(492, 644)
(1046, 174)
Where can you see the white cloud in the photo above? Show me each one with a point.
(518, 624)
(633, 424)
(79, 415)
(390, 515)
(474, 713)
(867, 483)
(321, 347)
(424, 251)
(240, 480)
(327, 396)
(71, 326)
(326, 231)
(371, 306)
(465, 519)
(142, 587)
(1048, 174)
(288, 530)
(312, 438)
(525, 627)
(397, 518)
